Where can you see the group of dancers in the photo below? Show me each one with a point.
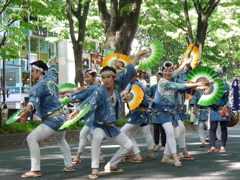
(167, 100)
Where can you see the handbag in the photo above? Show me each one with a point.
(233, 119)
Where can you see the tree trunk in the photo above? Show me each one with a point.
(80, 14)
(203, 14)
(78, 49)
(120, 23)
(188, 23)
(201, 34)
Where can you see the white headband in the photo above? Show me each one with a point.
(109, 72)
(170, 67)
(37, 68)
(91, 71)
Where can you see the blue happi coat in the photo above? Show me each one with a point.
(181, 93)
(139, 117)
(165, 101)
(183, 74)
(216, 109)
(102, 104)
(82, 95)
(152, 91)
(202, 111)
(181, 100)
(45, 98)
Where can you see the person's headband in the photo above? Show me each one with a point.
(170, 67)
(91, 71)
(108, 72)
(37, 68)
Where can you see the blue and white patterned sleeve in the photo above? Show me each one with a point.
(52, 73)
(93, 100)
(127, 74)
(174, 86)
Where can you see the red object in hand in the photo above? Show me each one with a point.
(225, 112)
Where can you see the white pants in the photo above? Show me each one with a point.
(181, 135)
(84, 136)
(43, 132)
(147, 134)
(129, 130)
(201, 130)
(122, 140)
(171, 136)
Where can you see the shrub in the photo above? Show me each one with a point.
(19, 127)
(121, 122)
(31, 125)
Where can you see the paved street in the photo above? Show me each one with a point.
(214, 166)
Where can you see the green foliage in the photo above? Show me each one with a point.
(126, 9)
(19, 127)
(121, 122)
(76, 126)
(88, 45)
(30, 126)
(94, 28)
(162, 19)
(186, 121)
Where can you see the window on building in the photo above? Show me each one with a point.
(51, 50)
(25, 48)
(34, 46)
(101, 49)
(26, 79)
(11, 79)
(43, 45)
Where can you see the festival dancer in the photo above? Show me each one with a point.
(164, 106)
(217, 115)
(44, 98)
(146, 128)
(79, 96)
(181, 112)
(106, 104)
(202, 113)
(137, 118)
(157, 128)
(146, 131)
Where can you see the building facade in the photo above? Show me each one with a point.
(18, 74)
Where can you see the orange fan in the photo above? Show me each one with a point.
(137, 97)
(191, 52)
(111, 58)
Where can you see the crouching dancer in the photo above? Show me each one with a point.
(43, 98)
(106, 104)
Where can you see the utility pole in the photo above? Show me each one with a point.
(3, 89)
(3, 81)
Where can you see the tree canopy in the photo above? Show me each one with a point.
(212, 25)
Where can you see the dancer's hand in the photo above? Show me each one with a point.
(27, 109)
(138, 56)
(63, 92)
(66, 94)
(53, 61)
(126, 98)
(195, 111)
(73, 114)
